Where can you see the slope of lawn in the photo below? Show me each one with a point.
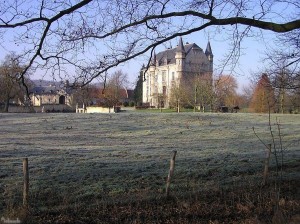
(112, 168)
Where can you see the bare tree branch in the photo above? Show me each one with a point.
(94, 36)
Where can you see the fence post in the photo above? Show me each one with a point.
(26, 182)
(171, 171)
(267, 160)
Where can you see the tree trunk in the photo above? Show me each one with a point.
(282, 100)
(6, 105)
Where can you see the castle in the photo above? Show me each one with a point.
(170, 67)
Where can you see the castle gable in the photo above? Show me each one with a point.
(168, 56)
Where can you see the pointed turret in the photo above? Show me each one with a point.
(180, 47)
(180, 58)
(180, 51)
(209, 55)
(208, 51)
(153, 60)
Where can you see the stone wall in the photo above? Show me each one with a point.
(40, 109)
(99, 110)
(54, 108)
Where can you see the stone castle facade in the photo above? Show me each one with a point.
(169, 68)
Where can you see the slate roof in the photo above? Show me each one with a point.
(208, 50)
(180, 47)
(169, 54)
(51, 89)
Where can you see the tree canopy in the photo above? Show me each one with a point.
(10, 84)
(86, 38)
(263, 98)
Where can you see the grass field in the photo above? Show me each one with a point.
(112, 168)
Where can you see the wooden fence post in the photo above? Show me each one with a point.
(171, 171)
(26, 182)
(267, 160)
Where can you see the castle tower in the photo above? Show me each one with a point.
(179, 58)
(153, 59)
(209, 55)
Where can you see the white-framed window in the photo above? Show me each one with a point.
(163, 76)
(164, 90)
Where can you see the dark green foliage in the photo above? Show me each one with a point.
(138, 90)
(125, 104)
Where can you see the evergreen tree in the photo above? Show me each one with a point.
(138, 90)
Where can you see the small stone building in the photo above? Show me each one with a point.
(52, 97)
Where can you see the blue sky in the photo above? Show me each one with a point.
(249, 62)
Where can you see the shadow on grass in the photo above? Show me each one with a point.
(235, 203)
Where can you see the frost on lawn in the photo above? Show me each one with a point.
(100, 156)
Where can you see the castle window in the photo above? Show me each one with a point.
(163, 76)
(173, 76)
(164, 90)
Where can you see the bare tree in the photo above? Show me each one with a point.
(178, 97)
(194, 91)
(203, 91)
(84, 95)
(225, 91)
(246, 95)
(295, 101)
(115, 88)
(10, 86)
(286, 55)
(263, 98)
(88, 37)
(283, 69)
